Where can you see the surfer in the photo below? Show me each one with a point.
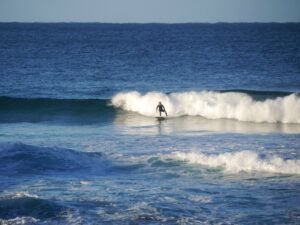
(160, 107)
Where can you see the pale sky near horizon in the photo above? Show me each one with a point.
(147, 11)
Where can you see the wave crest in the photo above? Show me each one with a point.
(213, 105)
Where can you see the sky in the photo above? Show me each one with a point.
(148, 11)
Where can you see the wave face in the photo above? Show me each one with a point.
(46, 109)
(214, 105)
(246, 161)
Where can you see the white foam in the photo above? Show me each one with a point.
(213, 105)
(246, 161)
(83, 182)
(19, 220)
(200, 198)
(21, 194)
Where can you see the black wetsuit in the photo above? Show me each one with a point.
(161, 108)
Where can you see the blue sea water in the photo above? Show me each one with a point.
(80, 144)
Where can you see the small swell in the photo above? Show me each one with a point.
(20, 207)
(20, 159)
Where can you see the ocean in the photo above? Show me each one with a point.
(80, 144)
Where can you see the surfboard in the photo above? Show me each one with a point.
(160, 117)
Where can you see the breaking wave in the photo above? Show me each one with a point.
(271, 107)
(246, 161)
(214, 105)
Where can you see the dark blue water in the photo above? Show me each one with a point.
(80, 144)
(99, 60)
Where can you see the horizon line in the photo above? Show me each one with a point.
(144, 23)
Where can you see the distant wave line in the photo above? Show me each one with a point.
(242, 105)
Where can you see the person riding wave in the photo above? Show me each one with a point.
(160, 107)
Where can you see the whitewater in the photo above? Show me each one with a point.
(241, 161)
(213, 105)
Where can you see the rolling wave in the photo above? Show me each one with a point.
(18, 159)
(21, 159)
(46, 109)
(242, 105)
(215, 105)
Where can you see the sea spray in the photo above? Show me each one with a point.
(213, 105)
